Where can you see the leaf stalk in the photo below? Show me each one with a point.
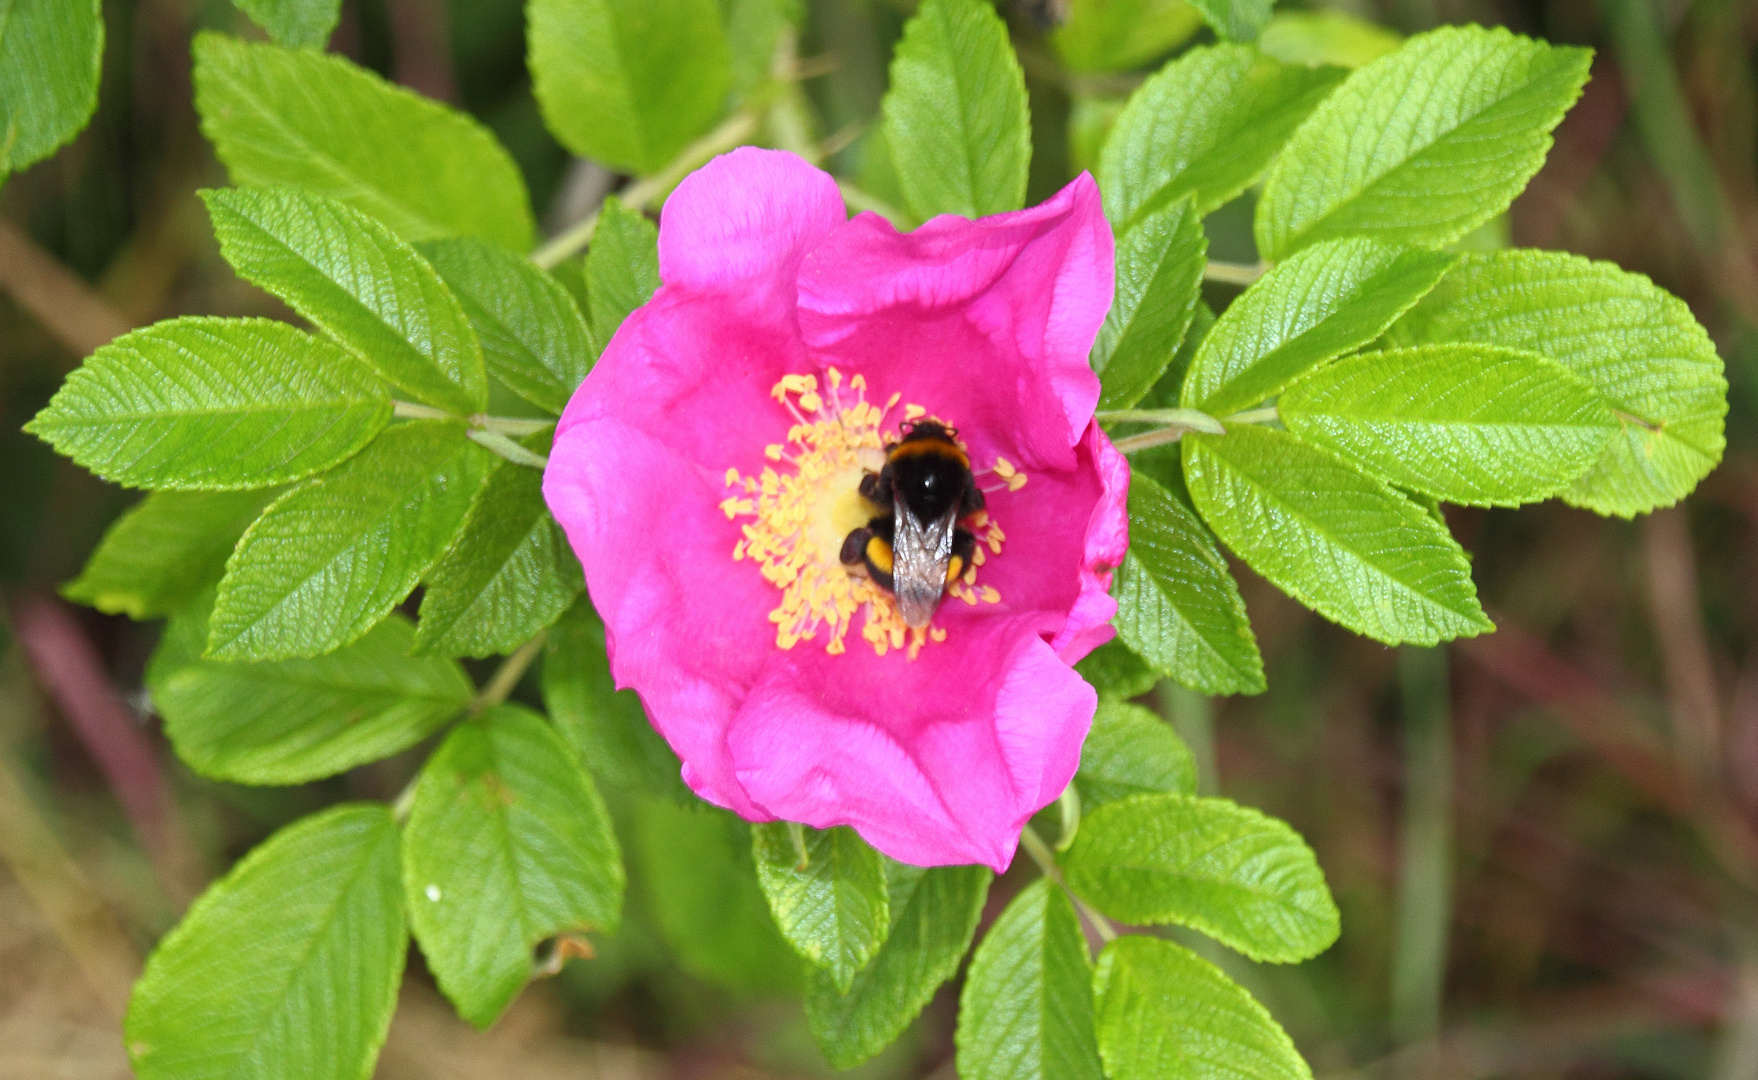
(1046, 860)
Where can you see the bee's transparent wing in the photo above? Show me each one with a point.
(919, 556)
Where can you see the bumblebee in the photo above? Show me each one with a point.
(915, 548)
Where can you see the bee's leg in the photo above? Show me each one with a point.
(876, 487)
(854, 546)
(964, 546)
(973, 496)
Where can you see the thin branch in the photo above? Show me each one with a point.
(507, 676)
(1069, 805)
(1149, 439)
(496, 443)
(509, 425)
(1241, 274)
(409, 410)
(734, 131)
(78, 317)
(1189, 419)
(1267, 415)
(1046, 860)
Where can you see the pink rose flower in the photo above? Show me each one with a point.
(707, 473)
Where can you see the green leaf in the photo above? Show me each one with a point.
(622, 269)
(1178, 607)
(1341, 542)
(214, 404)
(1130, 751)
(1638, 345)
(1326, 37)
(332, 557)
(1471, 424)
(509, 575)
(1164, 1011)
(955, 116)
(1323, 302)
(1026, 1012)
(832, 907)
(934, 915)
(292, 721)
(702, 890)
(287, 968)
(164, 550)
(358, 283)
(534, 338)
(628, 82)
(1118, 35)
(311, 120)
(752, 29)
(606, 726)
(1115, 671)
(51, 54)
(1159, 281)
(1235, 20)
(1422, 145)
(294, 23)
(1245, 879)
(1206, 126)
(507, 843)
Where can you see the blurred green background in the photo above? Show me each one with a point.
(1544, 842)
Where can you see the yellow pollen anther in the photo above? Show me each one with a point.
(798, 515)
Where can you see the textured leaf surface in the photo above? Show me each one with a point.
(160, 554)
(295, 23)
(696, 863)
(286, 969)
(1159, 280)
(606, 726)
(1206, 126)
(292, 721)
(1469, 424)
(1178, 607)
(1637, 344)
(622, 269)
(1323, 302)
(1026, 1012)
(1115, 671)
(833, 909)
(214, 404)
(509, 575)
(1165, 1012)
(358, 283)
(51, 53)
(333, 556)
(1326, 37)
(310, 120)
(533, 337)
(1131, 751)
(1118, 35)
(934, 914)
(1341, 542)
(1235, 20)
(1422, 145)
(628, 82)
(507, 844)
(955, 116)
(1245, 879)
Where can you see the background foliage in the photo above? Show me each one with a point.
(1580, 772)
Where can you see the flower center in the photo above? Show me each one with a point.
(798, 513)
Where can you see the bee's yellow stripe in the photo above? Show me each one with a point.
(879, 554)
(930, 448)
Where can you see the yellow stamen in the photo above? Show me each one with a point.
(799, 515)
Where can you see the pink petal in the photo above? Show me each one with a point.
(741, 224)
(986, 322)
(935, 761)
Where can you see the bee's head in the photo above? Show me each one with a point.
(924, 430)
